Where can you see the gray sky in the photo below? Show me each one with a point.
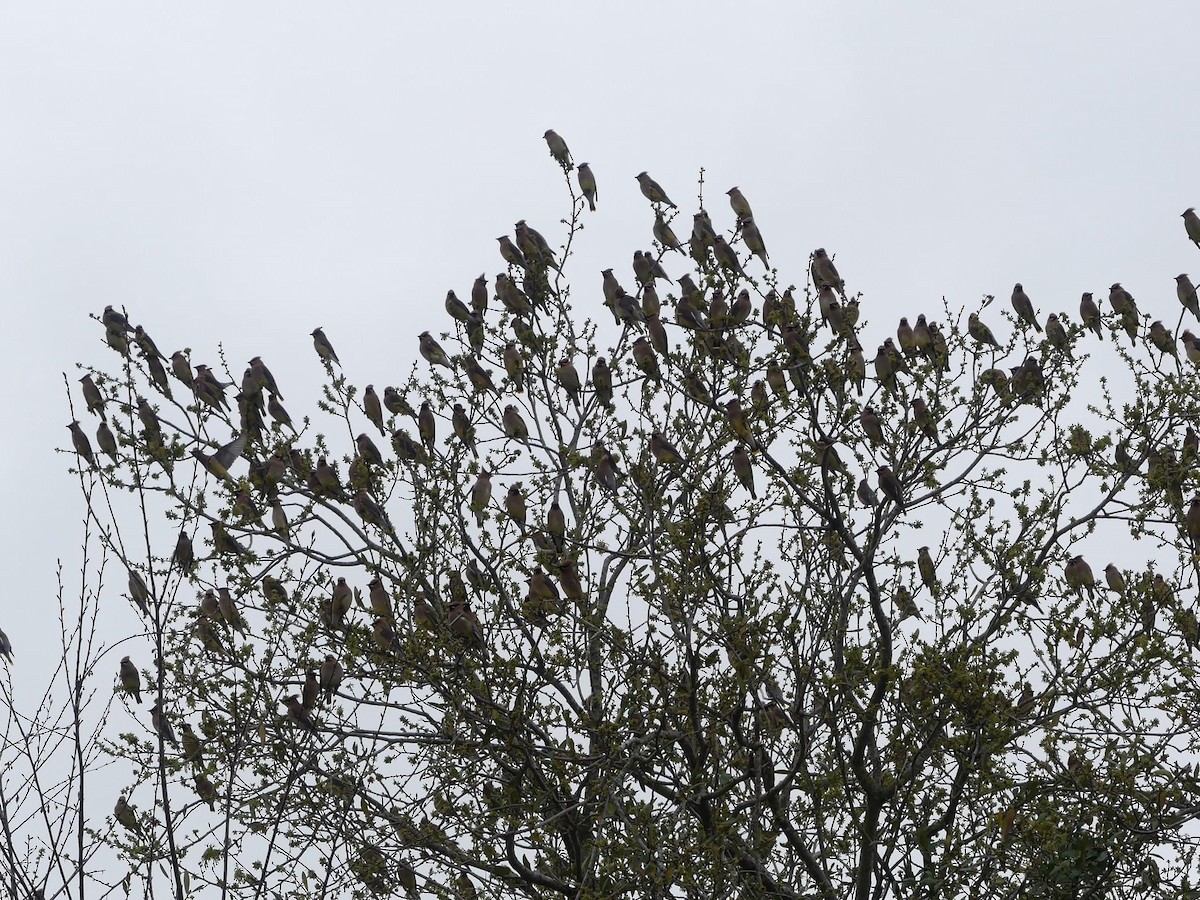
(246, 172)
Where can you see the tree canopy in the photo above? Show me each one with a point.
(727, 591)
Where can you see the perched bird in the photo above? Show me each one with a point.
(1162, 339)
(928, 573)
(1079, 576)
(646, 359)
(866, 494)
(890, 485)
(433, 352)
(227, 607)
(481, 495)
(663, 450)
(872, 425)
(663, 233)
(558, 148)
(515, 505)
(652, 191)
(373, 409)
(743, 468)
(82, 445)
(980, 332)
(371, 512)
(162, 726)
(181, 368)
(1186, 292)
(125, 815)
(514, 424)
(904, 602)
(184, 555)
(741, 208)
(1089, 314)
(106, 440)
(514, 365)
(587, 184)
(323, 347)
(464, 624)
(1056, 336)
(511, 253)
(825, 272)
(193, 747)
(1114, 579)
(131, 681)
(568, 378)
(427, 425)
(224, 542)
(330, 677)
(1192, 519)
(1024, 307)
(754, 241)
(726, 256)
(1191, 223)
(1123, 304)
(6, 647)
(298, 715)
(463, 429)
(310, 691)
(92, 396)
(138, 592)
(279, 414)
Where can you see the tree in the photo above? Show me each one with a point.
(701, 603)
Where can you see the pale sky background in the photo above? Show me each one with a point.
(246, 172)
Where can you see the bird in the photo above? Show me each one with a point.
(81, 443)
(1162, 339)
(741, 208)
(106, 441)
(481, 495)
(511, 254)
(927, 571)
(754, 241)
(980, 332)
(646, 359)
(1123, 304)
(324, 348)
(1192, 519)
(310, 691)
(825, 272)
(1089, 314)
(652, 191)
(866, 494)
(726, 256)
(1191, 223)
(371, 512)
(1056, 336)
(515, 505)
(298, 715)
(6, 647)
(263, 377)
(514, 424)
(1024, 307)
(193, 747)
(890, 485)
(181, 368)
(464, 624)
(330, 677)
(432, 351)
(568, 378)
(872, 425)
(131, 681)
(1186, 292)
(743, 468)
(427, 425)
(125, 815)
(92, 396)
(229, 612)
(663, 233)
(904, 601)
(587, 184)
(558, 148)
(663, 450)
(138, 592)
(1078, 575)
(162, 726)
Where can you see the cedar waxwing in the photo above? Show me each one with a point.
(514, 424)
(587, 184)
(1189, 627)
(602, 381)
(1123, 304)
(380, 599)
(871, 424)
(114, 320)
(642, 268)
(162, 726)
(754, 241)
(778, 382)
(125, 815)
(422, 613)
(856, 369)
(475, 332)
(396, 404)
(980, 332)
(741, 208)
(184, 555)
(205, 789)
(1162, 339)
(273, 590)
(534, 246)
(146, 344)
(326, 478)
(568, 378)
(939, 349)
(279, 414)
(311, 690)
(658, 334)
(890, 485)
(331, 677)
(1115, 580)
(510, 253)
(6, 647)
(181, 368)
(663, 233)
(1191, 346)
(688, 315)
(209, 389)
(131, 681)
(1089, 314)
(92, 396)
(826, 456)
(928, 572)
(367, 450)
(298, 715)
(224, 542)
(115, 337)
(138, 592)
(1079, 575)
(825, 272)
(82, 445)
(696, 388)
(904, 602)
(542, 598)
(556, 525)
(324, 348)
(652, 191)
(645, 359)
(866, 495)
(826, 298)
(1025, 702)
(1191, 224)
(514, 504)
(570, 580)
(923, 420)
(427, 425)
(663, 450)
(1024, 307)
(192, 746)
(743, 468)
(726, 256)
(464, 624)
(372, 408)
(406, 448)
(463, 429)
(339, 604)
(651, 305)
(208, 636)
(904, 335)
(1192, 519)
(279, 520)
(481, 495)
(884, 372)
(558, 148)
(1056, 336)
(433, 352)
(512, 297)
(1186, 292)
(514, 365)
(158, 375)
(263, 376)
(106, 440)
(703, 233)
(229, 612)
(371, 512)
(606, 472)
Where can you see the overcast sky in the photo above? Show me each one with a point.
(245, 172)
